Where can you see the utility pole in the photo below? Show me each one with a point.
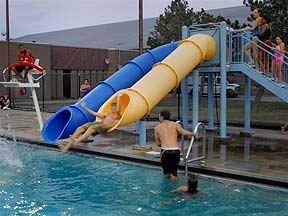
(8, 43)
(140, 27)
(119, 57)
(7, 33)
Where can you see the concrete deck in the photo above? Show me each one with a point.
(262, 157)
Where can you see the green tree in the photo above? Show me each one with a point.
(168, 25)
(277, 10)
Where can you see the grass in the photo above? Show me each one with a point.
(269, 113)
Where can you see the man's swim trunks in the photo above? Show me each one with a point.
(21, 68)
(170, 159)
(97, 126)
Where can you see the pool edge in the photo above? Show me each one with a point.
(212, 171)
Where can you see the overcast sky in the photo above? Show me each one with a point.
(36, 16)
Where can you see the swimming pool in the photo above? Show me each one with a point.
(40, 181)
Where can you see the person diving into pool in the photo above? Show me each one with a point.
(108, 120)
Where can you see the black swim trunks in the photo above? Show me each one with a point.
(21, 68)
(170, 160)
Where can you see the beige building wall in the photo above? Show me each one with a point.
(51, 86)
(125, 56)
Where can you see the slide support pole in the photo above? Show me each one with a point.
(247, 104)
(210, 101)
(195, 105)
(223, 98)
(142, 132)
(184, 88)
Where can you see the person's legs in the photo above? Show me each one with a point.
(255, 49)
(26, 70)
(266, 62)
(164, 162)
(247, 52)
(273, 70)
(279, 73)
(84, 136)
(75, 135)
(259, 62)
(175, 158)
(16, 71)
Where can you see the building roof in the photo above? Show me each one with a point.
(121, 35)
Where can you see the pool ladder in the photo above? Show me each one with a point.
(186, 159)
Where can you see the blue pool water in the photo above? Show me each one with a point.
(40, 181)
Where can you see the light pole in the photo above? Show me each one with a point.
(8, 33)
(8, 43)
(140, 27)
(119, 65)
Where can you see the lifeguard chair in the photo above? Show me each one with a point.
(32, 83)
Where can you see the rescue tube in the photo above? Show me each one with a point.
(37, 67)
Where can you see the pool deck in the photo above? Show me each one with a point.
(261, 158)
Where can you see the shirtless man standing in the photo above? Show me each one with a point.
(166, 138)
(95, 127)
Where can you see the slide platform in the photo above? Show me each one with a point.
(136, 102)
(65, 121)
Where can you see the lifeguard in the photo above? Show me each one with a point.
(24, 56)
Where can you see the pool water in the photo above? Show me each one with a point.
(41, 181)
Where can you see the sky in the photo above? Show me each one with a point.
(37, 16)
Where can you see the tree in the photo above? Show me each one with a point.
(169, 25)
(277, 10)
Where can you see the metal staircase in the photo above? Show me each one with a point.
(238, 64)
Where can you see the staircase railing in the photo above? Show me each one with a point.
(262, 61)
(187, 160)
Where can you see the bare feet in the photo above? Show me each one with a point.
(62, 147)
(283, 130)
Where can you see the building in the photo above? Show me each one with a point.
(93, 52)
(121, 35)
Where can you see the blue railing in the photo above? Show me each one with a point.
(263, 60)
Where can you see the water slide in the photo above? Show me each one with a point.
(137, 101)
(67, 119)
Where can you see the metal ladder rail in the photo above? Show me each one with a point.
(191, 145)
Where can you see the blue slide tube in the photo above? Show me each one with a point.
(65, 121)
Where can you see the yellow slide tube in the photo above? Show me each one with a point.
(137, 101)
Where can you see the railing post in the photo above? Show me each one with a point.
(210, 102)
